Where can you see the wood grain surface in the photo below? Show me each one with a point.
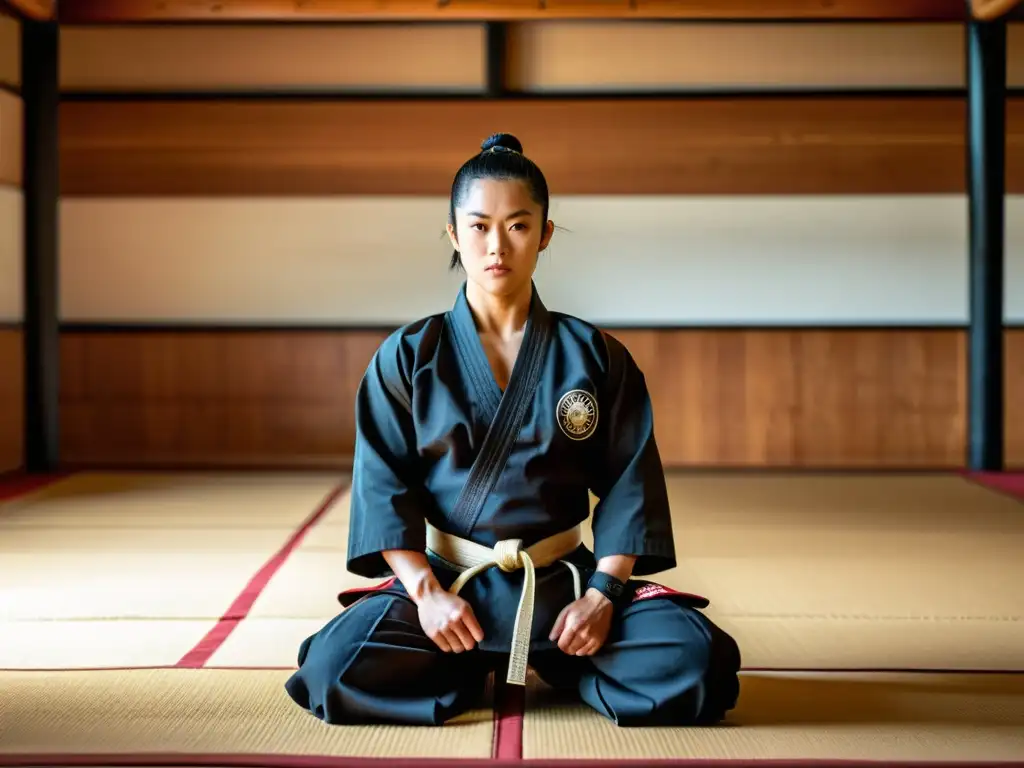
(745, 398)
(765, 146)
(12, 407)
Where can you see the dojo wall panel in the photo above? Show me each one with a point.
(799, 396)
(12, 228)
(753, 398)
(560, 56)
(629, 260)
(11, 152)
(10, 52)
(737, 146)
(805, 212)
(12, 388)
(1014, 415)
(542, 56)
(207, 397)
(304, 58)
(11, 316)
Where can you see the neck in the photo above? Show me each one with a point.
(503, 316)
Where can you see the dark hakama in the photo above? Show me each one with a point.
(422, 412)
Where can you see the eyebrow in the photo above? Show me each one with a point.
(515, 214)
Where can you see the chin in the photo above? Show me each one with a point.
(505, 285)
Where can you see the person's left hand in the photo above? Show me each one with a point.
(582, 626)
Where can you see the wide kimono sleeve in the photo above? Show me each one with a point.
(387, 502)
(632, 516)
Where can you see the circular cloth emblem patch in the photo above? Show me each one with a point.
(577, 414)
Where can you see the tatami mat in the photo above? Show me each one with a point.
(199, 501)
(299, 600)
(782, 716)
(136, 567)
(828, 571)
(92, 644)
(794, 716)
(202, 712)
(307, 585)
(855, 571)
(807, 571)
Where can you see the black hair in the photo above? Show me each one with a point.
(501, 157)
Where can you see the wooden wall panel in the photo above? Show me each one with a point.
(82, 11)
(10, 51)
(759, 398)
(602, 146)
(11, 141)
(305, 58)
(835, 398)
(210, 398)
(559, 56)
(12, 389)
(1015, 396)
(548, 57)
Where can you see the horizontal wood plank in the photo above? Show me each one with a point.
(127, 11)
(756, 145)
(11, 139)
(741, 398)
(10, 53)
(1014, 378)
(299, 57)
(12, 406)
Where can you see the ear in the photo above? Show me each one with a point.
(452, 237)
(549, 231)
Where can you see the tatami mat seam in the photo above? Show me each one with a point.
(175, 760)
(204, 650)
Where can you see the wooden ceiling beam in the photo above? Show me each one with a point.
(190, 11)
(37, 10)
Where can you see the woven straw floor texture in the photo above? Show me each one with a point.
(152, 618)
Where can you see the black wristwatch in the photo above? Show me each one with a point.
(608, 586)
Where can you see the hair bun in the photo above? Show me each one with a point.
(503, 141)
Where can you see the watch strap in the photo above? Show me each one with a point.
(609, 586)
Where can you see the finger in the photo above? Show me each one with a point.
(453, 641)
(590, 648)
(440, 642)
(473, 625)
(559, 626)
(567, 638)
(579, 641)
(462, 632)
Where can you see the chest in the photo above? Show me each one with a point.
(563, 417)
(501, 356)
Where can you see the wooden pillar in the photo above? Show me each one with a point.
(40, 96)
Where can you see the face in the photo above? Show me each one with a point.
(499, 233)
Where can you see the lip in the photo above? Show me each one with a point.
(499, 268)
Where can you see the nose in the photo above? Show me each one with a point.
(496, 242)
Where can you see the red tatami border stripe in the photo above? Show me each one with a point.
(239, 609)
(509, 712)
(22, 483)
(1008, 483)
(176, 760)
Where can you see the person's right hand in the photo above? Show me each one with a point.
(449, 621)
(446, 618)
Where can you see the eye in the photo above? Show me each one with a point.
(478, 226)
(519, 226)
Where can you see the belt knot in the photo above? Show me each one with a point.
(508, 554)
